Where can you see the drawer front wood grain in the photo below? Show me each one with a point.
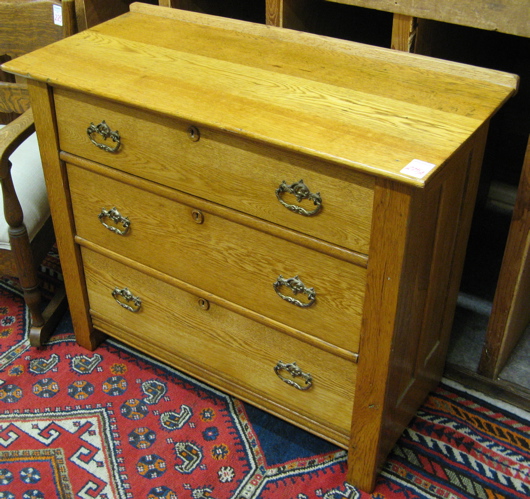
(231, 260)
(177, 325)
(223, 168)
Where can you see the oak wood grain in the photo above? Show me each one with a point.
(230, 260)
(300, 105)
(385, 263)
(61, 209)
(510, 313)
(174, 319)
(506, 16)
(160, 150)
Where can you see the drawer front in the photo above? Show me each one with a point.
(228, 259)
(173, 324)
(223, 168)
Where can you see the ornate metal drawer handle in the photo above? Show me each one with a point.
(295, 372)
(124, 298)
(114, 215)
(104, 130)
(296, 286)
(300, 191)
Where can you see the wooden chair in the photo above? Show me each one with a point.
(26, 232)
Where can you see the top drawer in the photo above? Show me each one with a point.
(241, 174)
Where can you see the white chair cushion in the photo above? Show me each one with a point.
(28, 179)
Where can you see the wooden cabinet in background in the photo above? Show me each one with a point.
(92, 12)
(510, 314)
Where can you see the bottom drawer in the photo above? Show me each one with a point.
(224, 348)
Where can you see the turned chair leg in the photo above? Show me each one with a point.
(24, 262)
(43, 322)
(27, 272)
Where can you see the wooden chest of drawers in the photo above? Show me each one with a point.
(279, 214)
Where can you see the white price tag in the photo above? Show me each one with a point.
(418, 168)
(58, 15)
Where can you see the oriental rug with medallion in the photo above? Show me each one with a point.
(115, 424)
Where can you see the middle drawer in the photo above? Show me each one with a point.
(319, 294)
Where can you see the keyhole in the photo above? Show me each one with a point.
(197, 216)
(193, 133)
(204, 304)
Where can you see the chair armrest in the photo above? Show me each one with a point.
(11, 136)
(14, 97)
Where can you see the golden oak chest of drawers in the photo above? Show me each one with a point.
(280, 214)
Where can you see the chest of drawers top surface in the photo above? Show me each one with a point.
(367, 108)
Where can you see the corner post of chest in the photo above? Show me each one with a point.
(417, 250)
(393, 209)
(41, 96)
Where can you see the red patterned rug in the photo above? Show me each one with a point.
(114, 424)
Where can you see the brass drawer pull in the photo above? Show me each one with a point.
(294, 372)
(125, 298)
(296, 286)
(114, 215)
(106, 133)
(300, 191)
